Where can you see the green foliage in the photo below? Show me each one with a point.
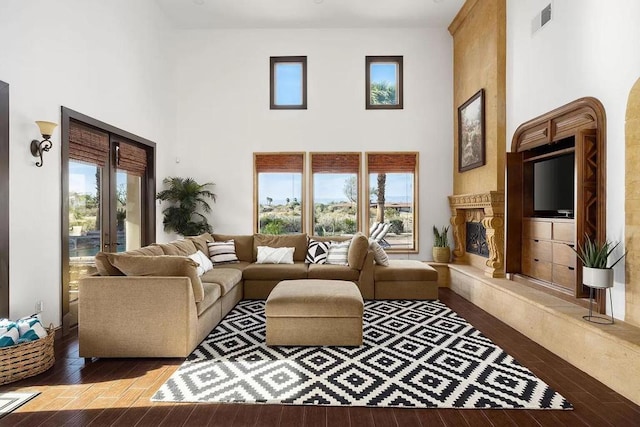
(186, 197)
(397, 226)
(594, 254)
(383, 93)
(279, 224)
(440, 238)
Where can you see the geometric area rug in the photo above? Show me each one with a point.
(11, 400)
(416, 354)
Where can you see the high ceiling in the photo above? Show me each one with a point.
(310, 13)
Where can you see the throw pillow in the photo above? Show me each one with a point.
(268, 255)
(9, 333)
(379, 254)
(204, 263)
(317, 252)
(338, 253)
(222, 252)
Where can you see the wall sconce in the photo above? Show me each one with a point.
(37, 147)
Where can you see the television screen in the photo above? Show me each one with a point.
(553, 185)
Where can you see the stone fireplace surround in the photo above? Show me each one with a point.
(487, 208)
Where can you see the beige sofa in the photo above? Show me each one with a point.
(150, 302)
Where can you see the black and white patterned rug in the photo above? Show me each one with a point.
(416, 354)
(10, 401)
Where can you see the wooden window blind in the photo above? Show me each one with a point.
(392, 162)
(131, 158)
(87, 144)
(335, 162)
(279, 162)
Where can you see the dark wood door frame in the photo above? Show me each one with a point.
(148, 192)
(4, 196)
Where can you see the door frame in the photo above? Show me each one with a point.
(4, 195)
(148, 190)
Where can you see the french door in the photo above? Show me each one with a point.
(109, 199)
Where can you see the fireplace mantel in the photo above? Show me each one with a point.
(487, 208)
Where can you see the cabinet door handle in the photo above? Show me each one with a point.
(536, 259)
(570, 245)
(571, 268)
(536, 240)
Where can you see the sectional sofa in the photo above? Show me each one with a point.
(151, 302)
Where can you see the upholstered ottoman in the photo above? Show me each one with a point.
(405, 279)
(314, 312)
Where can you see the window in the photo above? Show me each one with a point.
(335, 185)
(393, 199)
(384, 82)
(288, 88)
(277, 192)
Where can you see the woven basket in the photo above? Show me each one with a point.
(27, 359)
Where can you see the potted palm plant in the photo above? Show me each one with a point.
(596, 273)
(187, 197)
(441, 249)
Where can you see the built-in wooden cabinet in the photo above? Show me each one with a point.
(538, 243)
(546, 251)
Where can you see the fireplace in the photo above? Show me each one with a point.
(478, 223)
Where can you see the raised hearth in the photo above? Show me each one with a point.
(488, 209)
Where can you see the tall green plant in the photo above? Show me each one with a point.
(594, 254)
(187, 197)
(440, 238)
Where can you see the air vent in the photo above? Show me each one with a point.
(541, 19)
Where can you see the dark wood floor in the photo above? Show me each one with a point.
(117, 392)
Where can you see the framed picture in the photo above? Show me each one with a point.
(471, 133)
(383, 77)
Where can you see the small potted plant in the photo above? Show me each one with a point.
(596, 273)
(441, 249)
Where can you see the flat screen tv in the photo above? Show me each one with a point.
(554, 186)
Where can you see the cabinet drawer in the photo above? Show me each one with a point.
(563, 254)
(537, 269)
(536, 229)
(536, 249)
(564, 276)
(564, 231)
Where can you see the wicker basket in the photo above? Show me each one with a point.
(27, 359)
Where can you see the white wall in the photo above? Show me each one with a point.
(105, 59)
(590, 48)
(224, 116)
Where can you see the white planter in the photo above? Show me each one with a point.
(597, 277)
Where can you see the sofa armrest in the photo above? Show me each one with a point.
(130, 316)
(365, 281)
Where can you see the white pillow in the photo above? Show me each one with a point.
(379, 254)
(268, 255)
(204, 263)
(338, 253)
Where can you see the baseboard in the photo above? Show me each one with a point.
(609, 353)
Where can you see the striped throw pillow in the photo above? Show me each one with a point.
(317, 252)
(222, 252)
(338, 253)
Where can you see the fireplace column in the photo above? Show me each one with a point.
(492, 205)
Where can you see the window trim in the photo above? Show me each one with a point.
(273, 61)
(359, 221)
(416, 229)
(398, 60)
(303, 208)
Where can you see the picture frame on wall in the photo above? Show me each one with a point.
(471, 138)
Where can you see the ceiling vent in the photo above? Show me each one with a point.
(541, 19)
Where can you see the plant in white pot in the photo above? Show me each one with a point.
(596, 271)
(441, 249)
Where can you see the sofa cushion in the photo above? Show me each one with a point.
(151, 250)
(163, 265)
(200, 241)
(183, 247)
(405, 270)
(332, 272)
(297, 270)
(227, 278)
(297, 241)
(104, 266)
(358, 250)
(338, 253)
(240, 265)
(244, 245)
(222, 252)
(211, 295)
(317, 252)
